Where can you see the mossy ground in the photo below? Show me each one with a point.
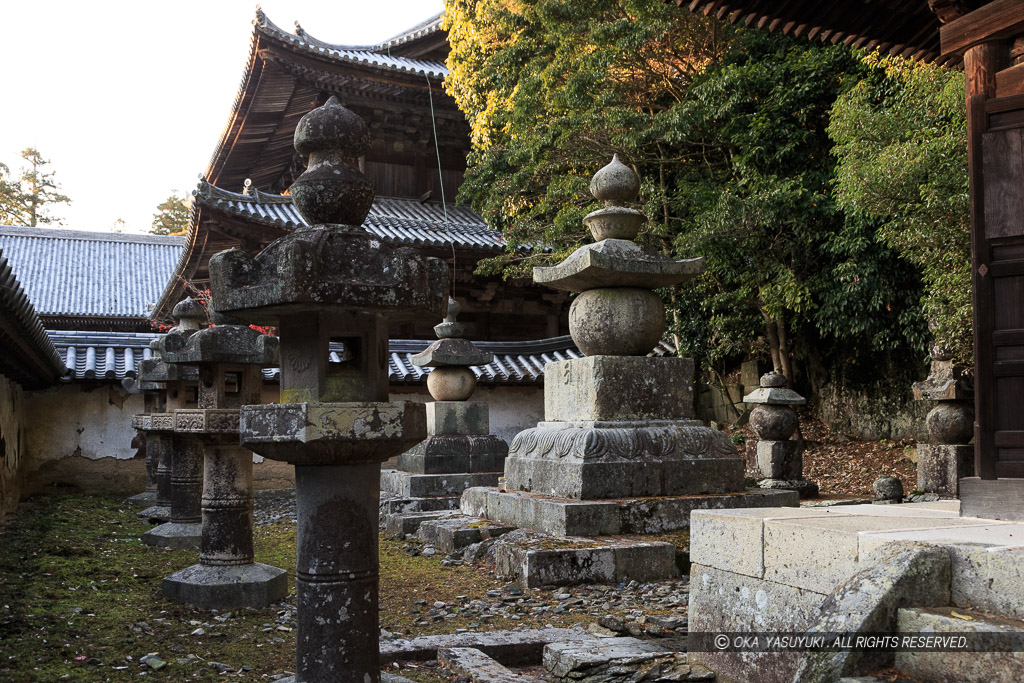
(80, 600)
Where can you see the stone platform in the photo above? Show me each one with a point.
(784, 569)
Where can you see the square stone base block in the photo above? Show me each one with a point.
(145, 499)
(156, 514)
(422, 485)
(941, 467)
(570, 517)
(406, 505)
(452, 453)
(249, 585)
(175, 535)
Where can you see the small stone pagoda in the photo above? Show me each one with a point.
(459, 451)
(617, 452)
(778, 461)
(229, 359)
(942, 463)
(184, 454)
(332, 281)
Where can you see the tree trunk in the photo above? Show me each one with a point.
(784, 359)
(772, 333)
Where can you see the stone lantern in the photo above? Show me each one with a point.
(778, 459)
(948, 458)
(184, 453)
(141, 423)
(229, 359)
(332, 281)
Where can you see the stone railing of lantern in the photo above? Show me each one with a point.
(229, 359)
(617, 422)
(332, 280)
(184, 528)
(141, 423)
(948, 458)
(778, 459)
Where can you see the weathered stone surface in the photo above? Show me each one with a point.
(887, 488)
(179, 536)
(452, 351)
(617, 321)
(332, 433)
(404, 483)
(806, 489)
(212, 422)
(221, 344)
(618, 388)
(453, 453)
(722, 538)
(406, 504)
(780, 459)
(511, 648)
(227, 587)
(400, 525)
(619, 660)
(617, 263)
(867, 602)
(595, 460)
(474, 664)
(951, 422)
(941, 467)
(570, 560)
(773, 422)
(775, 396)
(988, 579)
(451, 383)
(458, 417)
(568, 517)
(449, 535)
(947, 381)
(994, 667)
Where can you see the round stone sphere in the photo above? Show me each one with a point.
(617, 321)
(951, 422)
(773, 423)
(451, 384)
(888, 488)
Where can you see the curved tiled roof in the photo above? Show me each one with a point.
(79, 274)
(396, 221)
(116, 355)
(28, 356)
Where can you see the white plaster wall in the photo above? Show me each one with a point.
(10, 441)
(512, 408)
(78, 420)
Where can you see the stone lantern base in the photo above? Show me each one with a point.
(176, 535)
(213, 587)
(941, 467)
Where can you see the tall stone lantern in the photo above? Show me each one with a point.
(332, 281)
(229, 359)
(181, 456)
(142, 424)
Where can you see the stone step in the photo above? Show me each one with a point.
(402, 524)
(619, 659)
(412, 485)
(517, 647)
(394, 506)
(571, 517)
(994, 667)
(534, 559)
(452, 533)
(475, 665)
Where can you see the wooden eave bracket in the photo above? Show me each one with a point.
(998, 20)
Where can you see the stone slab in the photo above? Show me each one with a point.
(520, 647)
(415, 485)
(993, 667)
(455, 453)
(475, 665)
(941, 467)
(992, 498)
(618, 388)
(451, 534)
(779, 459)
(568, 517)
(458, 417)
(156, 514)
(399, 525)
(990, 579)
(175, 535)
(619, 659)
(570, 561)
(989, 534)
(726, 602)
(404, 504)
(249, 585)
(616, 262)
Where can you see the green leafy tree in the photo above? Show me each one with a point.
(172, 216)
(27, 199)
(901, 144)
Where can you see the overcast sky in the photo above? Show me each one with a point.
(127, 99)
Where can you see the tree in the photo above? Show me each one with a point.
(901, 144)
(173, 216)
(26, 200)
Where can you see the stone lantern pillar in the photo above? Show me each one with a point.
(332, 281)
(153, 373)
(779, 461)
(948, 458)
(141, 423)
(184, 453)
(229, 358)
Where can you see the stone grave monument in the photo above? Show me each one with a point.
(617, 452)
(229, 359)
(332, 281)
(778, 459)
(459, 451)
(948, 458)
(184, 529)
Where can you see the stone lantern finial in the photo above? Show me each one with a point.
(450, 328)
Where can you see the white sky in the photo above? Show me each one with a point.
(127, 99)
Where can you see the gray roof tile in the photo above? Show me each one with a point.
(69, 273)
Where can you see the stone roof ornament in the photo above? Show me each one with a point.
(773, 391)
(451, 356)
